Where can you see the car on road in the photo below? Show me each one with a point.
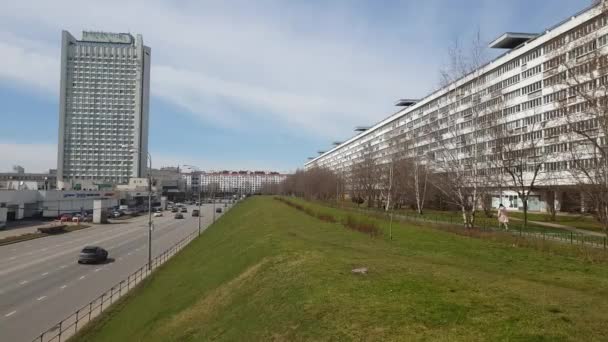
(184, 210)
(218, 210)
(65, 218)
(179, 216)
(195, 212)
(158, 214)
(116, 214)
(92, 254)
(174, 210)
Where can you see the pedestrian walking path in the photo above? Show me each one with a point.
(564, 227)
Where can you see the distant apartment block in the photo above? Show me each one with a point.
(243, 182)
(103, 109)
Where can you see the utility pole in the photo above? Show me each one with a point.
(213, 195)
(199, 212)
(150, 213)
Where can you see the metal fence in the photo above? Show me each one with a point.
(486, 224)
(540, 233)
(70, 325)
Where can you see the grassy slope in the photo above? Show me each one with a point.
(268, 272)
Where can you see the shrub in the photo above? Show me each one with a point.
(326, 218)
(369, 228)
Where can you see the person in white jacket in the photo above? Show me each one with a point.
(503, 217)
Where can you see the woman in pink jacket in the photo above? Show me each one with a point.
(503, 218)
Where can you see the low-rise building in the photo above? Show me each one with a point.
(28, 181)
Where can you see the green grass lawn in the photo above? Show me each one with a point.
(268, 272)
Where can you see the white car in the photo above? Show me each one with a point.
(158, 214)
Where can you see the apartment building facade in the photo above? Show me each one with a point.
(103, 109)
(524, 94)
(235, 182)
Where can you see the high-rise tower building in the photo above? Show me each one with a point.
(103, 109)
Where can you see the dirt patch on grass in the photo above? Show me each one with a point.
(214, 300)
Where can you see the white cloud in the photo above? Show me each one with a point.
(29, 67)
(230, 63)
(33, 157)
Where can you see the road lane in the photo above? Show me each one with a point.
(38, 288)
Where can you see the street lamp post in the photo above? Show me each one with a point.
(213, 206)
(149, 209)
(150, 213)
(199, 211)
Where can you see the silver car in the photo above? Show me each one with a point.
(92, 254)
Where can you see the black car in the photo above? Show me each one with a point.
(174, 210)
(92, 254)
(184, 210)
(179, 216)
(195, 213)
(218, 210)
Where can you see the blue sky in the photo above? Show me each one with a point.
(248, 84)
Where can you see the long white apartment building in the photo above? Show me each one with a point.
(522, 90)
(242, 182)
(103, 109)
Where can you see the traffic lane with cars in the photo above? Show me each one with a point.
(49, 297)
(20, 284)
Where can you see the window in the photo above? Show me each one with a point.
(512, 95)
(554, 80)
(511, 110)
(532, 87)
(582, 50)
(554, 62)
(555, 44)
(532, 71)
(557, 96)
(531, 56)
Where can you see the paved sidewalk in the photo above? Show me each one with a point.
(561, 226)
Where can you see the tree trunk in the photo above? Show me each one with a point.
(525, 202)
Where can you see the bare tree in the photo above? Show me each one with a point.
(580, 77)
(364, 176)
(459, 154)
(414, 172)
(521, 157)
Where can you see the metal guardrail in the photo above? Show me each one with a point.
(70, 325)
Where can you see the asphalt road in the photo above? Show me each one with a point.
(41, 281)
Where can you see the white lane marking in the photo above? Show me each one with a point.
(63, 287)
(44, 249)
(23, 282)
(82, 277)
(67, 251)
(41, 298)
(119, 259)
(14, 250)
(129, 253)
(10, 313)
(97, 269)
(63, 266)
(12, 258)
(45, 273)
(58, 245)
